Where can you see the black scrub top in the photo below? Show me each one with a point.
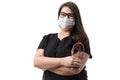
(54, 47)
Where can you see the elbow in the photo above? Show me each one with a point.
(38, 63)
(35, 63)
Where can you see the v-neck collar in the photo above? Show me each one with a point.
(62, 38)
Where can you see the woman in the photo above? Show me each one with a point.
(53, 53)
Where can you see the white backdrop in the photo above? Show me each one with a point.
(24, 22)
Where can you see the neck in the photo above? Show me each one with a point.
(64, 33)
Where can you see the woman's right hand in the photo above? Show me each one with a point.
(76, 63)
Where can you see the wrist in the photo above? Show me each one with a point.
(62, 61)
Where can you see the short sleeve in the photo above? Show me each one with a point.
(43, 42)
(87, 49)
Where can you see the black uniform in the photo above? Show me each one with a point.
(54, 47)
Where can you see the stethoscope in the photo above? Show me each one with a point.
(77, 48)
(77, 51)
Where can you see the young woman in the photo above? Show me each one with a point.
(53, 53)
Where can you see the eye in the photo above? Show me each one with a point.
(71, 15)
(62, 14)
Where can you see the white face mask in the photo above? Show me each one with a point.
(66, 23)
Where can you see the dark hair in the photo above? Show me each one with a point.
(77, 32)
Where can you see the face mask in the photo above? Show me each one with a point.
(66, 23)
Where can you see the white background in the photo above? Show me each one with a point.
(24, 22)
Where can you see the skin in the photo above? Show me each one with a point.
(61, 66)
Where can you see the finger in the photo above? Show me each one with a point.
(75, 70)
(77, 60)
(75, 64)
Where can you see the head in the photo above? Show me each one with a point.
(77, 31)
(66, 19)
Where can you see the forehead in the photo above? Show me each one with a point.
(66, 10)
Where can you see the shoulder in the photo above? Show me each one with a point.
(50, 35)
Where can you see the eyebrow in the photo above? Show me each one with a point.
(66, 13)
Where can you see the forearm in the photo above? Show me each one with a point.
(68, 71)
(64, 71)
(46, 62)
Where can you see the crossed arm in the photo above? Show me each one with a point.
(58, 65)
